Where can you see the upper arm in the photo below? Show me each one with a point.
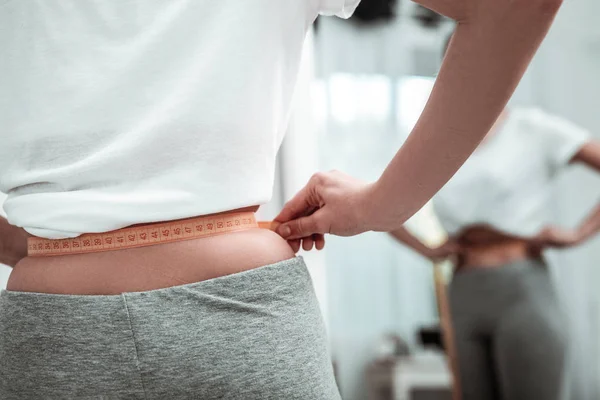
(589, 154)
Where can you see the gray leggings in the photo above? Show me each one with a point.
(510, 333)
(253, 335)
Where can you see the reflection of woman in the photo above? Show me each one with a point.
(133, 115)
(508, 328)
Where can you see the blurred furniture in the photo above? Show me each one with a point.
(431, 394)
(380, 380)
(428, 376)
(431, 337)
(423, 376)
(380, 373)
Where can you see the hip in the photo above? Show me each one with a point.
(495, 255)
(483, 247)
(257, 334)
(149, 267)
(516, 281)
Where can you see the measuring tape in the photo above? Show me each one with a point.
(147, 235)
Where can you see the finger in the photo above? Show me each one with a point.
(307, 243)
(305, 226)
(298, 205)
(319, 241)
(295, 245)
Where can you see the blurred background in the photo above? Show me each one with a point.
(364, 83)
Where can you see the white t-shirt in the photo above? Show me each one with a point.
(114, 112)
(506, 183)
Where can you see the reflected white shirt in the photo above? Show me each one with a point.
(506, 183)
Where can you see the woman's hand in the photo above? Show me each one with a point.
(555, 237)
(307, 243)
(341, 205)
(331, 202)
(449, 250)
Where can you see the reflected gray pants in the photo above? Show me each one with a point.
(253, 335)
(510, 333)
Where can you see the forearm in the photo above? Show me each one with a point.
(13, 243)
(404, 236)
(591, 225)
(489, 53)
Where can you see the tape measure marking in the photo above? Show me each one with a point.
(146, 235)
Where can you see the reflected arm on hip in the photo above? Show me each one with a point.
(590, 156)
(448, 249)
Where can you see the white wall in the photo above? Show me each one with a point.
(565, 79)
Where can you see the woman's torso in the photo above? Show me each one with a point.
(119, 113)
(499, 199)
(116, 113)
(482, 246)
(505, 184)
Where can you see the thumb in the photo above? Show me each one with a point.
(304, 226)
(301, 204)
